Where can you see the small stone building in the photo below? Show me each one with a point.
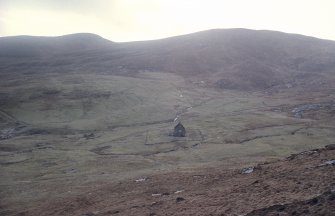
(179, 130)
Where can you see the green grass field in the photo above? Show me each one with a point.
(77, 130)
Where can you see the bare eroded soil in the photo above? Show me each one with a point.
(302, 184)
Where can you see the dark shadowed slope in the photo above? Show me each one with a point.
(237, 58)
(233, 58)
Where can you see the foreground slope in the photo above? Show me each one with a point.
(302, 184)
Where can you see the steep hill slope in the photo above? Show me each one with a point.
(231, 59)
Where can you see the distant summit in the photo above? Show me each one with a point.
(29, 46)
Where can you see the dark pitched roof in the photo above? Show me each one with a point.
(179, 125)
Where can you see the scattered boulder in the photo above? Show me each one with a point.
(179, 199)
(89, 136)
(248, 170)
(140, 180)
(156, 194)
(327, 163)
(330, 147)
(71, 171)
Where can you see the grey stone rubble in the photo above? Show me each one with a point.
(298, 111)
(327, 163)
(248, 170)
(7, 133)
(331, 162)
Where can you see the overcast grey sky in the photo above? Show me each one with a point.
(129, 20)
